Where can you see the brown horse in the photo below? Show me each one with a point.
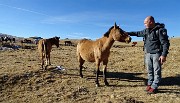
(44, 47)
(98, 51)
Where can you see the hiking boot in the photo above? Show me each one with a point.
(148, 88)
(152, 91)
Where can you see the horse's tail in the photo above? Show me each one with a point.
(77, 52)
(44, 48)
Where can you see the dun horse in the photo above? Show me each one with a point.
(44, 47)
(98, 51)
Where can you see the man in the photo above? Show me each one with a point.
(156, 46)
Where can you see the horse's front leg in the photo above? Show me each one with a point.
(81, 62)
(105, 72)
(81, 66)
(97, 72)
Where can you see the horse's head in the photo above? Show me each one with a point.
(119, 35)
(55, 41)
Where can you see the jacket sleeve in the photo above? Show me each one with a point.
(137, 33)
(163, 37)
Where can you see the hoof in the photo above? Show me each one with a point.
(106, 83)
(81, 76)
(45, 68)
(42, 67)
(97, 85)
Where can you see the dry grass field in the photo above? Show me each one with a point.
(23, 81)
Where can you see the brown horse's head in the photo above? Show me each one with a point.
(55, 41)
(119, 35)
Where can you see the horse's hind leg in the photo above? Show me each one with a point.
(49, 61)
(42, 60)
(105, 72)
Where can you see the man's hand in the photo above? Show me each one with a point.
(162, 59)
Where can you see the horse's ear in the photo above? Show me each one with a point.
(115, 25)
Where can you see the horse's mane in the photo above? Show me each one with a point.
(54, 38)
(108, 32)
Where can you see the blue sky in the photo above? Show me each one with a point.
(90, 19)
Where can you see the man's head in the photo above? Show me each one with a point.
(149, 22)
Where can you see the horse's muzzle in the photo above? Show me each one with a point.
(128, 40)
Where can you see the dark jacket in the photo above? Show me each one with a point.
(155, 39)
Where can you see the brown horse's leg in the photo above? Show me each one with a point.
(105, 72)
(42, 61)
(81, 66)
(81, 62)
(49, 62)
(46, 58)
(97, 73)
